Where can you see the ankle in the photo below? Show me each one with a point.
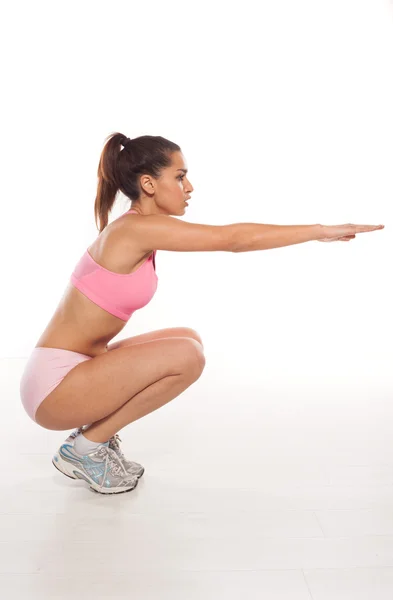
(94, 436)
(83, 445)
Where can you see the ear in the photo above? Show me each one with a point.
(147, 184)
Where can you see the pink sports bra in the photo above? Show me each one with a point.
(120, 294)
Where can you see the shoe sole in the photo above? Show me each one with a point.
(91, 486)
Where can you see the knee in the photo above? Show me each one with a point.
(191, 333)
(193, 355)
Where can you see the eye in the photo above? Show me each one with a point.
(181, 176)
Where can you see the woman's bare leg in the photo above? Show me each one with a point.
(148, 400)
(96, 389)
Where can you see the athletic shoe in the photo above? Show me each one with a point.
(101, 469)
(132, 468)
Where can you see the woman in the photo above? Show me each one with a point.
(74, 375)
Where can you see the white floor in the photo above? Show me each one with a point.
(276, 490)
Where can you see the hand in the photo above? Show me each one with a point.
(344, 233)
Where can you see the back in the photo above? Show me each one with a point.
(118, 293)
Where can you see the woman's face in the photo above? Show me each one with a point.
(172, 188)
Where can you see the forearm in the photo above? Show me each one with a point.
(257, 236)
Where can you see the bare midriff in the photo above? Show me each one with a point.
(77, 323)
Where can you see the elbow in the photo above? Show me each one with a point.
(238, 245)
(236, 240)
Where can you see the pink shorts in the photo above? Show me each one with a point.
(44, 370)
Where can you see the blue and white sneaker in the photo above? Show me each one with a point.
(132, 468)
(101, 469)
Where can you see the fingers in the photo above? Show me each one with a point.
(365, 228)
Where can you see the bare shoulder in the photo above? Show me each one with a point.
(161, 232)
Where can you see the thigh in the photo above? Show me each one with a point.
(98, 387)
(156, 335)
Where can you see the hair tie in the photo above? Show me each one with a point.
(125, 141)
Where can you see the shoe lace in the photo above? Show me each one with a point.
(112, 462)
(115, 442)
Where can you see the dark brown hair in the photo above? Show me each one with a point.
(119, 168)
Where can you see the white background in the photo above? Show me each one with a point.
(283, 111)
(271, 476)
